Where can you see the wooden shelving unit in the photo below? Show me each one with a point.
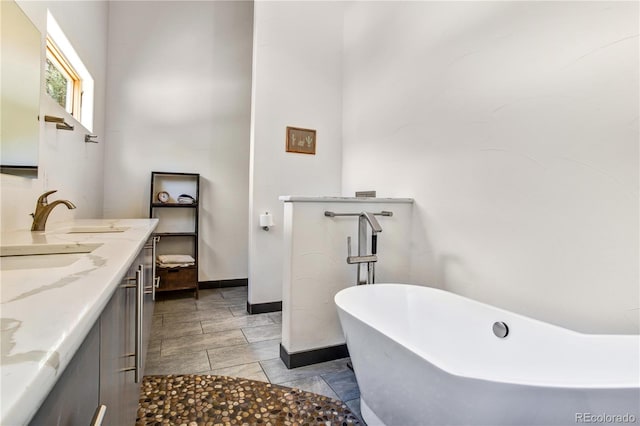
(178, 227)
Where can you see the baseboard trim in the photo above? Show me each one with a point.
(314, 356)
(238, 282)
(261, 308)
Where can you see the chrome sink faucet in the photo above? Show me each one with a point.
(43, 208)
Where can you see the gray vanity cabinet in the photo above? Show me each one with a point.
(112, 349)
(74, 398)
(118, 389)
(103, 370)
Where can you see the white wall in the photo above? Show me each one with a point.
(179, 100)
(65, 162)
(297, 71)
(514, 125)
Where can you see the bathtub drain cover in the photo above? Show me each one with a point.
(500, 329)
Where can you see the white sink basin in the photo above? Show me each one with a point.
(9, 263)
(98, 229)
(42, 249)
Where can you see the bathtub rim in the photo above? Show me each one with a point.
(340, 297)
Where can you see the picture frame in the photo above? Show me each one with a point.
(301, 141)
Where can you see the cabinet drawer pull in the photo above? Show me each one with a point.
(139, 316)
(139, 286)
(148, 289)
(98, 416)
(155, 281)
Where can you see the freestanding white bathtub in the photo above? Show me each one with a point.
(424, 356)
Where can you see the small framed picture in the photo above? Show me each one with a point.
(302, 141)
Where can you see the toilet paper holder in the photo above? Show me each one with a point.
(266, 221)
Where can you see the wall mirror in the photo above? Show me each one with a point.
(20, 43)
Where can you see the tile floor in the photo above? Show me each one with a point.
(216, 335)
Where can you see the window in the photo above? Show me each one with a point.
(63, 83)
(67, 80)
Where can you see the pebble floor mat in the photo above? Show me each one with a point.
(205, 400)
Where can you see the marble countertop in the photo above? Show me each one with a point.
(304, 199)
(47, 307)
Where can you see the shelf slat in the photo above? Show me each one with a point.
(166, 290)
(175, 234)
(194, 205)
(193, 175)
(177, 267)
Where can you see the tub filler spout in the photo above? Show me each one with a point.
(366, 263)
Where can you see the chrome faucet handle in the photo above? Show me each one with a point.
(358, 259)
(351, 260)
